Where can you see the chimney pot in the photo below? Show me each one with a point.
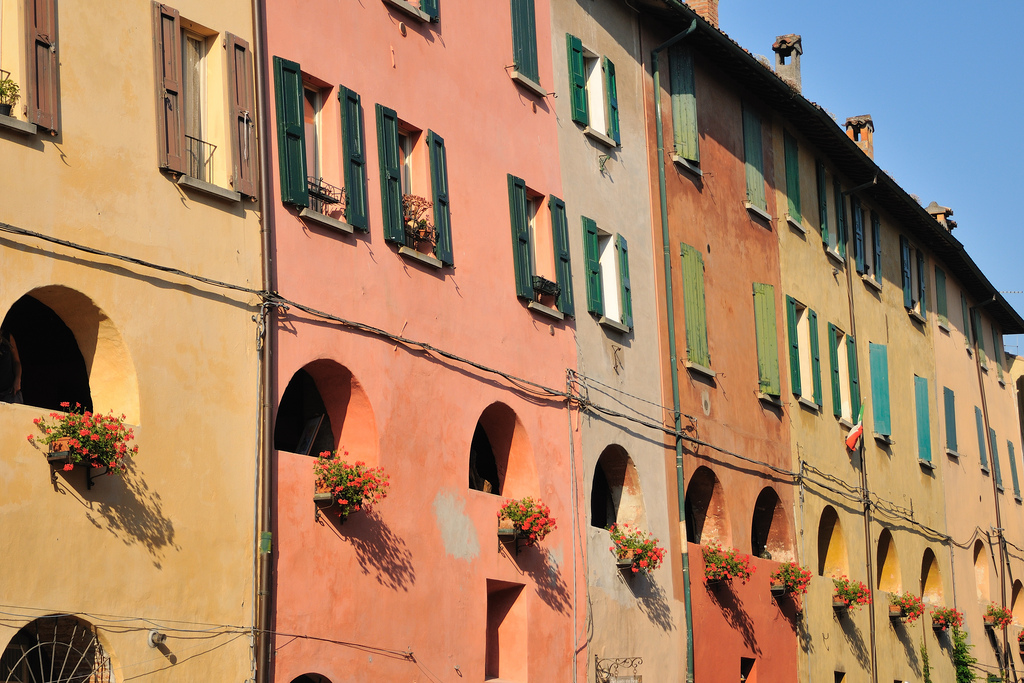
(942, 215)
(708, 9)
(861, 129)
(788, 49)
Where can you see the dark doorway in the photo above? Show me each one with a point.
(303, 425)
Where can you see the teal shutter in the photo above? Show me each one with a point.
(390, 175)
(908, 295)
(997, 350)
(592, 253)
(858, 233)
(819, 171)
(1013, 469)
(966, 318)
(693, 300)
(922, 286)
(950, 402)
(355, 158)
(879, 361)
(431, 8)
(851, 364)
(625, 291)
(767, 339)
(291, 139)
(519, 214)
(812, 326)
(563, 269)
(752, 155)
(524, 39)
(924, 432)
(577, 80)
(980, 422)
(684, 104)
(837, 191)
(995, 458)
(941, 307)
(794, 346)
(876, 246)
(442, 209)
(611, 96)
(979, 333)
(833, 364)
(792, 174)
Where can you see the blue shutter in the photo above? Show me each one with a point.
(858, 233)
(519, 214)
(812, 326)
(924, 432)
(390, 175)
(291, 137)
(592, 254)
(980, 422)
(442, 210)
(950, 402)
(879, 361)
(563, 270)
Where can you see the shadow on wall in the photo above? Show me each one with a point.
(903, 633)
(379, 551)
(856, 640)
(547, 576)
(737, 618)
(653, 600)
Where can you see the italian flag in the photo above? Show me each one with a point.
(857, 431)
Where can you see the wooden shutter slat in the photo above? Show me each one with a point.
(949, 399)
(42, 94)
(765, 332)
(291, 134)
(966, 319)
(577, 80)
(1013, 468)
(852, 367)
(611, 96)
(354, 154)
(879, 361)
(390, 175)
(591, 251)
(753, 159)
(695, 312)
(812, 326)
(563, 265)
(792, 154)
(997, 350)
(924, 434)
(520, 236)
(922, 284)
(819, 171)
(684, 103)
(625, 288)
(876, 246)
(858, 234)
(941, 305)
(840, 206)
(439, 188)
(979, 421)
(170, 124)
(908, 294)
(833, 365)
(524, 38)
(995, 457)
(794, 347)
(244, 154)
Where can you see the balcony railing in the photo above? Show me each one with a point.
(200, 158)
(323, 195)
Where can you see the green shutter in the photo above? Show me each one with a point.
(390, 175)
(922, 286)
(966, 318)
(563, 269)
(611, 96)
(693, 300)
(812, 326)
(442, 209)
(979, 333)
(980, 422)
(291, 139)
(995, 458)
(908, 294)
(941, 307)
(355, 158)
(833, 364)
(819, 172)
(519, 214)
(524, 39)
(1013, 469)
(792, 175)
(431, 8)
(837, 191)
(924, 431)
(950, 402)
(752, 155)
(876, 245)
(684, 104)
(577, 79)
(767, 339)
(997, 351)
(794, 346)
(625, 292)
(852, 366)
(858, 233)
(592, 253)
(879, 362)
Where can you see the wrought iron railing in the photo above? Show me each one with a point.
(323, 195)
(542, 285)
(200, 158)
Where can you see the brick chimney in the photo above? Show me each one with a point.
(942, 215)
(707, 9)
(861, 129)
(787, 50)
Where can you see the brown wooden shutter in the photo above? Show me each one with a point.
(43, 95)
(167, 39)
(243, 134)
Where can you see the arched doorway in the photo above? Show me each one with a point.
(55, 650)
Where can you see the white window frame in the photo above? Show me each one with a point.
(611, 286)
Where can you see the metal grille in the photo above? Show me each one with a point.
(323, 195)
(200, 158)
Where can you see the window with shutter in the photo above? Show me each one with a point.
(170, 120)
(949, 401)
(879, 361)
(41, 93)
(563, 269)
(592, 254)
(997, 351)
(753, 159)
(684, 104)
(431, 8)
(353, 145)
(611, 95)
(794, 312)
(827, 238)
(858, 234)
(905, 270)
(609, 292)
(804, 353)
(594, 100)
(839, 373)
(924, 438)
(390, 175)
(767, 340)
(291, 138)
(524, 39)
(876, 248)
(978, 334)
(577, 79)
(979, 421)
(851, 356)
(792, 154)
(966, 319)
(625, 289)
(439, 186)
(1013, 469)
(941, 307)
(693, 302)
(922, 287)
(244, 154)
(519, 214)
(995, 459)
(840, 209)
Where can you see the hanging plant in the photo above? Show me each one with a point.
(87, 438)
(725, 565)
(850, 593)
(1000, 617)
(638, 550)
(353, 487)
(791, 578)
(530, 519)
(944, 617)
(910, 606)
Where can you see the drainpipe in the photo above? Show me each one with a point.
(673, 361)
(262, 544)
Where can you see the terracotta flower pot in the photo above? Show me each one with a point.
(895, 612)
(506, 530)
(60, 450)
(839, 605)
(990, 622)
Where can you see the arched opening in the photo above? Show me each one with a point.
(981, 572)
(55, 650)
(832, 557)
(615, 495)
(1017, 602)
(931, 580)
(769, 528)
(323, 408)
(500, 457)
(888, 564)
(311, 678)
(707, 518)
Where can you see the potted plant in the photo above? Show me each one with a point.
(527, 519)
(82, 436)
(725, 565)
(944, 617)
(790, 578)
(349, 487)
(1020, 642)
(418, 225)
(997, 617)
(634, 549)
(848, 593)
(9, 96)
(905, 607)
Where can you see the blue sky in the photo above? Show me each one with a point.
(942, 81)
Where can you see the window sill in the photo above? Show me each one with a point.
(22, 127)
(600, 137)
(687, 165)
(209, 188)
(985, 470)
(835, 256)
(325, 221)
(953, 454)
(796, 224)
(1002, 383)
(926, 464)
(984, 368)
(758, 211)
(1017, 498)
(407, 8)
(700, 369)
(845, 423)
(612, 324)
(871, 282)
(425, 259)
(528, 83)
(544, 310)
(1000, 489)
(884, 438)
(770, 399)
(914, 315)
(944, 325)
(810, 405)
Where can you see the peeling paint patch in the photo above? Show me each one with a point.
(457, 531)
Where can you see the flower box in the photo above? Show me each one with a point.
(60, 450)
(323, 499)
(997, 617)
(624, 560)
(506, 530)
(635, 549)
(347, 488)
(990, 622)
(82, 437)
(895, 613)
(526, 519)
(720, 563)
(789, 578)
(779, 589)
(839, 605)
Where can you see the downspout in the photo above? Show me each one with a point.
(673, 361)
(262, 543)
